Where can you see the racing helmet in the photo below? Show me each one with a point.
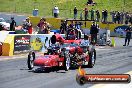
(54, 49)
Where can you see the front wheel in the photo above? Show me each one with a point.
(31, 58)
(109, 42)
(92, 58)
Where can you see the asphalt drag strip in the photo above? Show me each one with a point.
(14, 73)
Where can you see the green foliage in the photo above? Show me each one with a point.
(66, 6)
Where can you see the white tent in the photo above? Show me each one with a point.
(3, 35)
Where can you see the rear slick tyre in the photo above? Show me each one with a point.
(66, 62)
(31, 58)
(92, 59)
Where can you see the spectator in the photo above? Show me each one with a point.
(76, 25)
(75, 12)
(90, 2)
(66, 25)
(115, 18)
(94, 31)
(71, 34)
(128, 35)
(98, 28)
(125, 14)
(92, 14)
(105, 16)
(12, 24)
(78, 29)
(97, 16)
(40, 25)
(121, 17)
(118, 17)
(86, 13)
(71, 26)
(102, 15)
(126, 18)
(113, 14)
(130, 19)
(62, 27)
(1, 27)
(27, 25)
(46, 27)
(56, 11)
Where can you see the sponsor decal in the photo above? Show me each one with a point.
(21, 43)
(22, 40)
(121, 30)
(39, 43)
(82, 78)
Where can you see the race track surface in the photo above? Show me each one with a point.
(14, 73)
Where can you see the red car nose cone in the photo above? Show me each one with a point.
(43, 61)
(39, 62)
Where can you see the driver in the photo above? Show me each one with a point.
(72, 34)
(56, 48)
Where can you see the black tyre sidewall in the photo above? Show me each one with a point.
(29, 60)
(65, 59)
(90, 64)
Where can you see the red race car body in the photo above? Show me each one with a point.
(48, 61)
(67, 54)
(72, 41)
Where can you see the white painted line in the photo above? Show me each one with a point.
(104, 48)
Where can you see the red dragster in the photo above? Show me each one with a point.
(63, 54)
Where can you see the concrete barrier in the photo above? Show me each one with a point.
(1, 48)
(54, 22)
(8, 46)
(3, 35)
(23, 43)
(7, 40)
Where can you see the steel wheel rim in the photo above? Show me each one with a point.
(31, 61)
(93, 58)
(67, 62)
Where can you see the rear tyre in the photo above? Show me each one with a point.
(31, 58)
(92, 58)
(66, 61)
